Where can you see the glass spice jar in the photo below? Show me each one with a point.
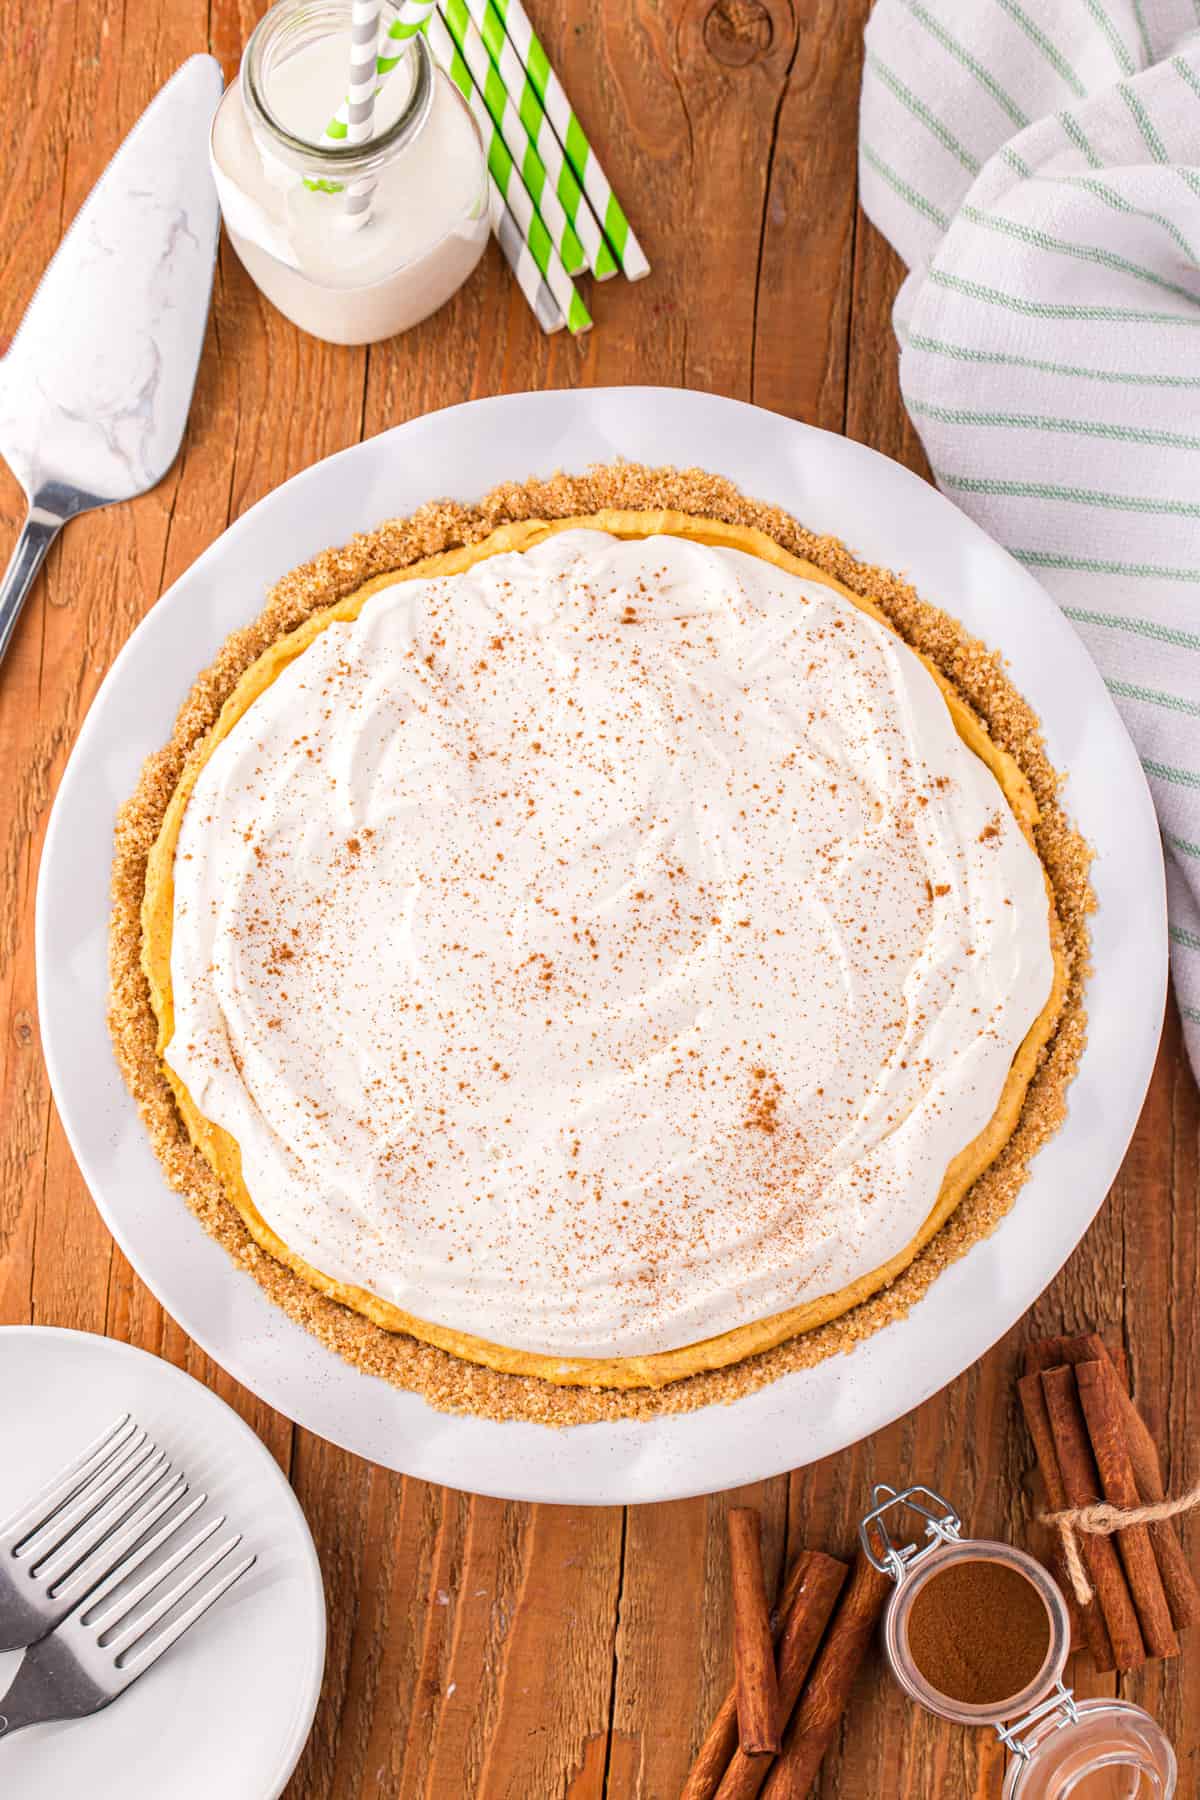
(282, 188)
(999, 1620)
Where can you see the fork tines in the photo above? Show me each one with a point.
(113, 1616)
(96, 1512)
(102, 1572)
(89, 1529)
(64, 1486)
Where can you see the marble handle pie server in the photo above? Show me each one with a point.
(95, 391)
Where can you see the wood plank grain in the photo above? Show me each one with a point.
(456, 1616)
(806, 254)
(560, 1641)
(479, 1647)
(31, 218)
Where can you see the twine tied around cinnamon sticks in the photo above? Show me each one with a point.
(1101, 1520)
(1106, 1501)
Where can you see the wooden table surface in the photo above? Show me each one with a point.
(478, 1648)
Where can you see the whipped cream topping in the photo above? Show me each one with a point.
(602, 948)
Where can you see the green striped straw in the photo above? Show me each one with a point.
(391, 48)
(528, 278)
(508, 122)
(601, 260)
(412, 17)
(511, 190)
(549, 90)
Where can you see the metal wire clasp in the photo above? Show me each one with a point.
(1060, 1700)
(942, 1526)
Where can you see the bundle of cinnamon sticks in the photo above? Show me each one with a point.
(791, 1687)
(1092, 1444)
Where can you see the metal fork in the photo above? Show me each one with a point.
(72, 1533)
(104, 1646)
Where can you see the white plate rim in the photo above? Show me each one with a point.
(123, 1351)
(670, 1457)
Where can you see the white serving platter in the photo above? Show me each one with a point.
(885, 515)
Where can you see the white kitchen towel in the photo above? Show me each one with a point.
(1037, 166)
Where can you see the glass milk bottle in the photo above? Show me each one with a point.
(282, 188)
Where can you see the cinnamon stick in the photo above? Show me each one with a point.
(1082, 1483)
(713, 1756)
(802, 1631)
(1085, 1347)
(824, 1699)
(1037, 1417)
(719, 1745)
(1089, 1346)
(1183, 1595)
(753, 1649)
(1097, 1394)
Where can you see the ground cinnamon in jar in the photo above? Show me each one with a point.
(978, 1632)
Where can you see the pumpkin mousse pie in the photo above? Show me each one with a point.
(589, 953)
(604, 950)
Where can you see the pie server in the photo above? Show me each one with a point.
(95, 391)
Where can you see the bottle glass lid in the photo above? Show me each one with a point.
(1093, 1750)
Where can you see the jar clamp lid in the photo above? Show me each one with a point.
(1056, 1742)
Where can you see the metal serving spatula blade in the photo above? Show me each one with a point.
(95, 391)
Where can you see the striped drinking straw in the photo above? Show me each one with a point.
(601, 260)
(549, 90)
(517, 255)
(390, 51)
(508, 123)
(413, 16)
(523, 216)
(360, 101)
